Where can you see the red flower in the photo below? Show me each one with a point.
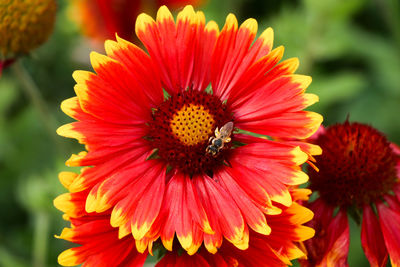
(146, 121)
(359, 173)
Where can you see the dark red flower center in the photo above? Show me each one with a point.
(181, 128)
(357, 165)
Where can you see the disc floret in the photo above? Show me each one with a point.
(182, 127)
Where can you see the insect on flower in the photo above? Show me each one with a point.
(221, 137)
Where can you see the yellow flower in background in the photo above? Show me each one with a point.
(24, 25)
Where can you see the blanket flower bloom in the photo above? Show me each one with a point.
(359, 173)
(24, 25)
(165, 156)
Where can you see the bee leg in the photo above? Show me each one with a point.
(227, 140)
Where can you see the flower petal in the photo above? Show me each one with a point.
(284, 94)
(100, 245)
(122, 183)
(270, 172)
(113, 95)
(184, 214)
(142, 205)
(225, 217)
(330, 246)
(389, 220)
(277, 109)
(372, 239)
(254, 77)
(148, 207)
(252, 214)
(182, 58)
(72, 204)
(231, 57)
(117, 160)
(139, 65)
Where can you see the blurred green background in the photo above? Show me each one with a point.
(351, 48)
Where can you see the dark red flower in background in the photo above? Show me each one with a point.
(358, 176)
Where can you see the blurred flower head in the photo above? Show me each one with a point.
(24, 25)
(359, 175)
(169, 160)
(102, 19)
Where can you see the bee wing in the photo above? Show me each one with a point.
(226, 130)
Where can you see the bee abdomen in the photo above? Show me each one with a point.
(212, 150)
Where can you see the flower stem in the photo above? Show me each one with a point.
(33, 93)
(40, 239)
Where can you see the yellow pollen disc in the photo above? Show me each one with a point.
(192, 124)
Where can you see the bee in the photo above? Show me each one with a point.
(222, 136)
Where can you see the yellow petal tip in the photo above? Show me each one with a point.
(267, 37)
(251, 25)
(167, 243)
(69, 105)
(63, 203)
(117, 217)
(212, 26)
(303, 80)
(231, 22)
(68, 258)
(67, 130)
(90, 205)
(263, 229)
(185, 241)
(310, 99)
(139, 232)
(81, 76)
(142, 22)
(163, 13)
(299, 157)
(67, 178)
